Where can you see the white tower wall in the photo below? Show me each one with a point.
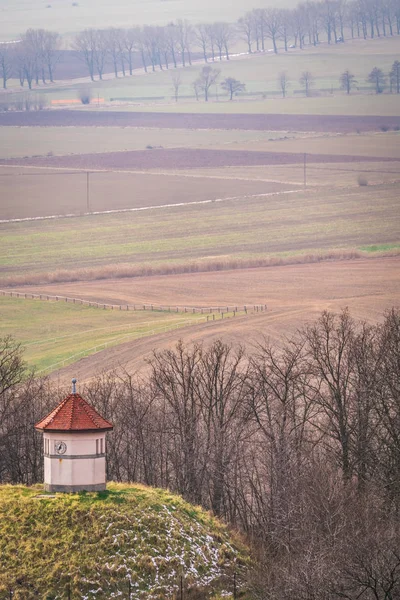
(74, 462)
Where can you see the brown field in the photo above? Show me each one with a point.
(35, 193)
(182, 158)
(266, 122)
(294, 294)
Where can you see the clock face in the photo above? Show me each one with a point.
(60, 447)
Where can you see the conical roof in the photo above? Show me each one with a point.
(74, 414)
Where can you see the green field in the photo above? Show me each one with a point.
(292, 224)
(260, 73)
(55, 334)
(60, 15)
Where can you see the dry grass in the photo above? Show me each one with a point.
(125, 271)
(243, 232)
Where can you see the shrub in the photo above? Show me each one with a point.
(85, 96)
(362, 180)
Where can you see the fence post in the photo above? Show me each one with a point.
(129, 589)
(181, 587)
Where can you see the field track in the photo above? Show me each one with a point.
(256, 122)
(182, 158)
(294, 294)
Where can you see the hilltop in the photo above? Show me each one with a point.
(99, 545)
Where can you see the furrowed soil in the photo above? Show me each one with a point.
(182, 158)
(41, 193)
(294, 295)
(267, 122)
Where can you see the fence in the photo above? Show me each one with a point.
(129, 592)
(255, 308)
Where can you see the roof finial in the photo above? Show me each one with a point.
(74, 386)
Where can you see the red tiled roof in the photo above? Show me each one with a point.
(74, 414)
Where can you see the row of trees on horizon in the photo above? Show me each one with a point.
(34, 57)
(297, 446)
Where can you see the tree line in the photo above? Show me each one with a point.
(209, 76)
(298, 446)
(34, 57)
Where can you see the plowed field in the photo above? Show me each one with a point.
(294, 294)
(261, 122)
(182, 158)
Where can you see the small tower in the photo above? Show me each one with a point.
(74, 439)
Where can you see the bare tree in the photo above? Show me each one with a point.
(223, 35)
(208, 76)
(176, 82)
(50, 50)
(232, 86)
(85, 45)
(101, 49)
(246, 28)
(174, 378)
(6, 62)
(196, 88)
(395, 76)
(283, 83)
(306, 81)
(114, 46)
(347, 80)
(377, 77)
(26, 64)
(184, 39)
(201, 34)
(12, 365)
(272, 25)
(129, 41)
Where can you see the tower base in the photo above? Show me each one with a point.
(71, 489)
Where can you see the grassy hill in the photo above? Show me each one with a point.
(98, 545)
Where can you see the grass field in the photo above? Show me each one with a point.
(62, 16)
(27, 141)
(57, 333)
(315, 221)
(260, 73)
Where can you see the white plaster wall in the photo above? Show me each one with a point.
(77, 444)
(77, 471)
(79, 465)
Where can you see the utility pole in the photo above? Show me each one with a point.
(87, 192)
